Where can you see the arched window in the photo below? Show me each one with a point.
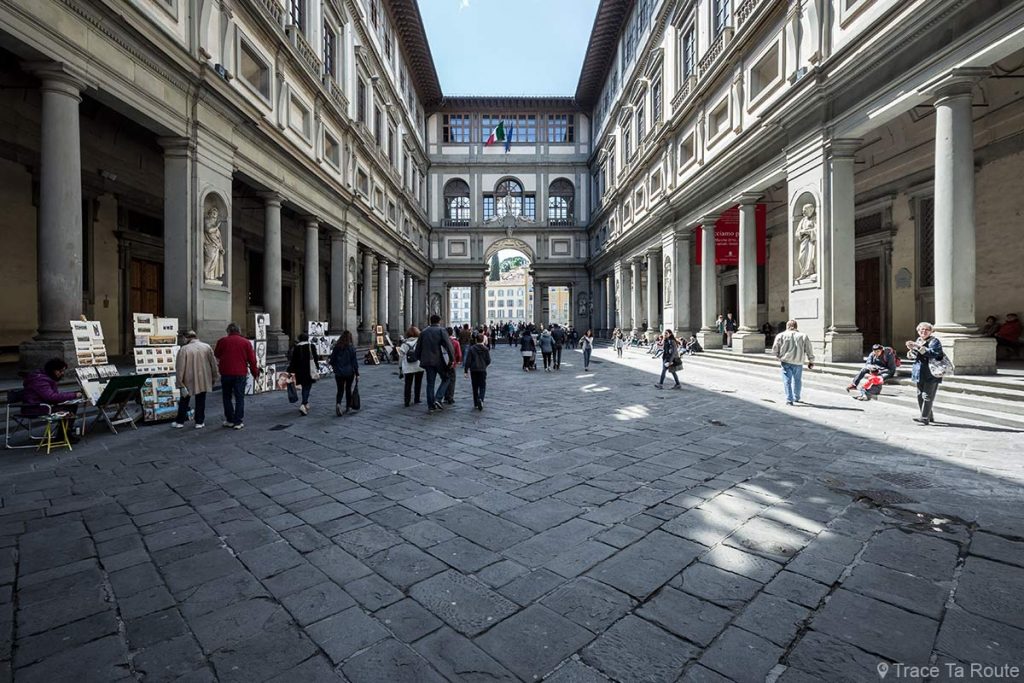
(508, 197)
(561, 198)
(456, 203)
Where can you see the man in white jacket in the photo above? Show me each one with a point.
(793, 348)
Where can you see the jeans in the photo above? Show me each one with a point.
(666, 369)
(306, 388)
(526, 362)
(618, 350)
(344, 384)
(586, 357)
(926, 390)
(547, 359)
(200, 415)
(864, 373)
(478, 379)
(432, 375)
(410, 379)
(557, 356)
(232, 389)
(792, 380)
(449, 394)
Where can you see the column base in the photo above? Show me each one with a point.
(972, 355)
(844, 347)
(33, 354)
(748, 342)
(651, 334)
(710, 339)
(277, 344)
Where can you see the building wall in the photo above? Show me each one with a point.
(18, 272)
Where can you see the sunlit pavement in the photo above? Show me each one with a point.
(582, 527)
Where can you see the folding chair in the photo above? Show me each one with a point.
(17, 421)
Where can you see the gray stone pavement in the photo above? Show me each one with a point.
(581, 528)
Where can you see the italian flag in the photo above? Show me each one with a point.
(497, 135)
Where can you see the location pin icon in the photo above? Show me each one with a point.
(883, 669)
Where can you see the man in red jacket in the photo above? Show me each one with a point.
(236, 359)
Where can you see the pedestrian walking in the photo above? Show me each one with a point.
(559, 336)
(670, 360)
(478, 357)
(345, 364)
(587, 344)
(435, 354)
(411, 370)
(730, 329)
(618, 341)
(449, 396)
(793, 349)
(547, 346)
(720, 326)
(930, 364)
(303, 364)
(527, 348)
(195, 369)
(236, 358)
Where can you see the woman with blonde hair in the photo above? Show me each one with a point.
(411, 370)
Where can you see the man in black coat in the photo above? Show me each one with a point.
(558, 334)
(436, 358)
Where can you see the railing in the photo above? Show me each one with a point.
(455, 222)
(713, 53)
(306, 53)
(273, 10)
(561, 222)
(337, 94)
(744, 11)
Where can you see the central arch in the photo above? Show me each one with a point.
(509, 243)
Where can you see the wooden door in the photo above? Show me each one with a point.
(870, 307)
(146, 287)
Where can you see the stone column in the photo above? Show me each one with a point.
(339, 280)
(395, 299)
(675, 246)
(369, 313)
(708, 336)
(59, 221)
(478, 307)
(382, 292)
(748, 339)
(277, 340)
(637, 302)
(410, 305)
(311, 270)
(624, 294)
(955, 260)
(419, 297)
(609, 300)
(842, 340)
(653, 278)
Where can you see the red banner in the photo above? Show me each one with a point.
(727, 237)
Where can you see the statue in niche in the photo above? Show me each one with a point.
(213, 247)
(807, 241)
(435, 304)
(582, 305)
(667, 279)
(351, 287)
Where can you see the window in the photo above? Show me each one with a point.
(392, 212)
(561, 128)
(688, 53)
(718, 119)
(765, 72)
(391, 145)
(686, 151)
(298, 117)
(561, 197)
(655, 183)
(456, 202)
(511, 189)
(488, 207)
(361, 101)
(641, 122)
(530, 207)
(627, 139)
(331, 150)
(253, 71)
(363, 182)
(926, 242)
(378, 126)
(455, 128)
(297, 14)
(656, 102)
(374, 12)
(330, 49)
(719, 16)
(518, 127)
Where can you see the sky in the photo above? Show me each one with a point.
(508, 47)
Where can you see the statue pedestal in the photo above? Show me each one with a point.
(844, 346)
(710, 339)
(748, 342)
(970, 354)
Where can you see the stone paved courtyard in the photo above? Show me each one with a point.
(581, 528)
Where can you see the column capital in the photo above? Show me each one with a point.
(311, 221)
(843, 148)
(175, 146)
(59, 76)
(338, 234)
(958, 82)
(653, 252)
(270, 198)
(748, 198)
(709, 219)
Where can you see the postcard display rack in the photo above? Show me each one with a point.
(267, 380)
(322, 343)
(93, 371)
(155, 351)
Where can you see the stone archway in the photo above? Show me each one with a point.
(509, 243)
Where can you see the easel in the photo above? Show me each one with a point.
(113, 402)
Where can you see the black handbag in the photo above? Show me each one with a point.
(354, 402)
(293, 395)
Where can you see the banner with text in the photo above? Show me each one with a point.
(727, 237)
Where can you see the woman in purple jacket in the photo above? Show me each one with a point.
(41, 391)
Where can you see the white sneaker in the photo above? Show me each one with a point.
(176, 425)
(304, 409)
(226, 423)
(200, 425)
(238, 426)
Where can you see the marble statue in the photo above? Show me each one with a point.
(807, 238)
(667, 279)
(435, 304)
(213, 247)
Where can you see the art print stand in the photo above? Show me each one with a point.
(322, 343)
(268, 373)
(89, 346)
(382, 344)
(156, 350)
(112, 404)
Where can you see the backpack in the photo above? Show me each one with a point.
(413, 354)
(888, 350)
